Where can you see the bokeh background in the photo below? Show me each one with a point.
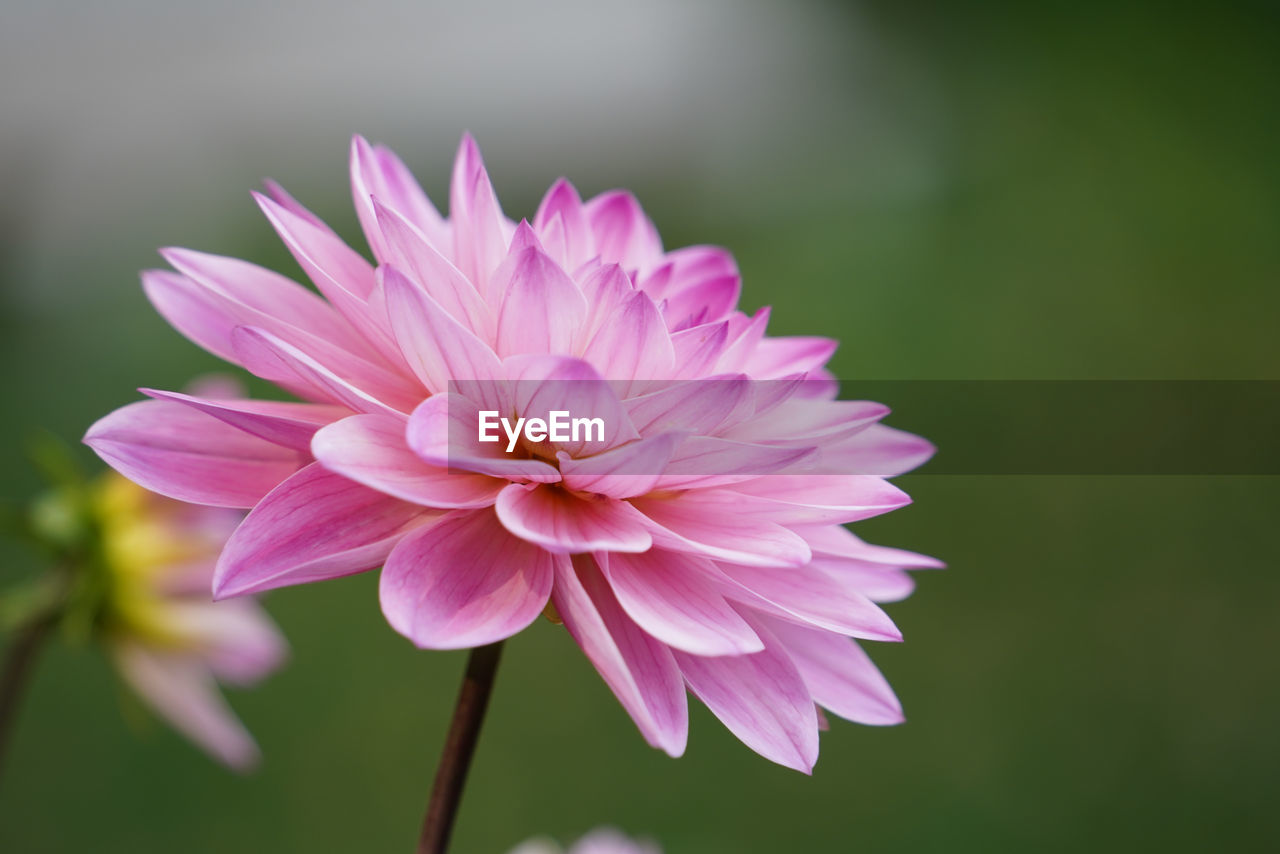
(955, 191)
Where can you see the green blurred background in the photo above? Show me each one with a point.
(955, 191)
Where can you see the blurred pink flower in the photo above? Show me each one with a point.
(699, 543)
(603, 840)
(169, 640)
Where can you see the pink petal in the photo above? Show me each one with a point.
(315, 525)
(877, 450)
(437, 348)
(761, 698)
(563, 204)
(698, 349)
(443, 432)
(342, 275)
(637, 668)
(623, 472)
(605, 288)
(236, 638)
(811, 596)
(540, 307)
(274, 359)
(377, 174)
(672, 597)
(837, 541)
(780, 357)
(702, 461)
(266, 294)
(410, 252)
(478, 225)
(541, 385)
(708, 522)
(705, 302)
(281, 197)
(839, 674)
(632, 344)
(372, 450)
(802, 499)
(288, 424)
(623, 234)
(182, 453)
(181, 689)
(564, 523)
(465, 582)
(699, 407)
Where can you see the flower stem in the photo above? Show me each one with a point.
(459, 747)
(17, 669)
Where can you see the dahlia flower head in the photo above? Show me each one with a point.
(168, 641)
(695, 541)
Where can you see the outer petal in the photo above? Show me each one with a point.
(839, 674)
(708, 522)
(623, 234)
(479, 241)
(315, 525)
(632, 344)
(181, 689)
(564, 523)
(182, 453)
(272, 358)
(878, 450)
(372, 450)
(671, 596)
(236, 639)
(378, 175)
(561, 211)
(640, 670)
(819, 498)
(465, 582)
(811, 596)
(281, 423)
(761, 698)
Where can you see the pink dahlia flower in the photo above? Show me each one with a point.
(170, 643)
(696, 541)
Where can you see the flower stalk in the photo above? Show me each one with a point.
(459, 748)
(18, 661)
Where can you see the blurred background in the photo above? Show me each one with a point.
(955, 191)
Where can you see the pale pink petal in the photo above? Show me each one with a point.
(268, 295)
(744, 334)
(703, 461)
(565, 523)
(805, 499)
(623, 472)
(839, 674)
(706, 522)
(540, 308)
(837, 541)
(377, 174)
(437, 348)
(698, 349)
(878, 450)
(563, 207)
(182, 690)
(479, 240)
(877, 583)
(541, 385)
(606, 288)
(281, 197)
(761, 698)
(465, 582)
(706, 302)
(315, 525)
(275, 359)
(632, 344)
(182, 453)
(811, 596)
(410, 252)
(672, 597)
(699, 407)
(798, 420)
(781, 357)
(344, 277)
(236, 638)
(623, 234)
(372, 450)
(640, 671)
(279, 422)
(443, 431)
